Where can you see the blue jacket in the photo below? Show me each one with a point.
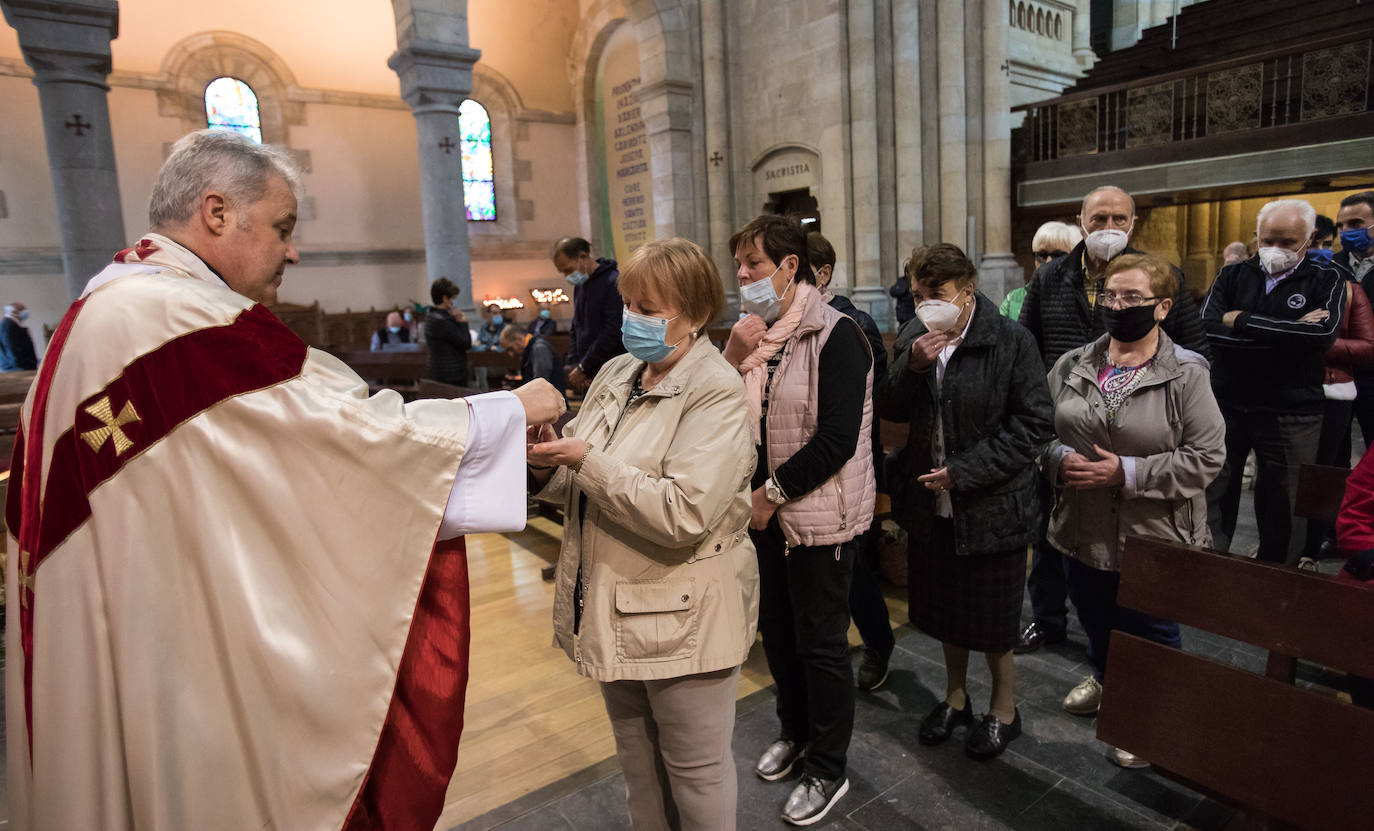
(16, 347)
(597, 311)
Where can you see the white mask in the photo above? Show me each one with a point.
(938, 315)
(1278, 260)
(1105, 244)
(761, 299)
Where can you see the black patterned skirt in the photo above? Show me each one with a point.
(969, 601)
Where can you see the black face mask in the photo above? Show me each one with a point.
(1130, 324)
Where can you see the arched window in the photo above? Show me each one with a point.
(1040, 22)
(1011, 13)
(1058, 27)
(230, 104)
(1021, 15)
(479, 186)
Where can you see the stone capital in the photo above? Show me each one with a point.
(665, 105)
(66, 40)
(434, 74)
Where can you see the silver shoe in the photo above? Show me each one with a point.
(1127, 760)
(812, 799)
(1084, 699)
(777, 761)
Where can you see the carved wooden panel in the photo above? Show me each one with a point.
(1234, 99)
(1335, 81)
(1077, 128)
(1150, 115)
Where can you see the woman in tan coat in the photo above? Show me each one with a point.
(657, 588)
(1140, 437)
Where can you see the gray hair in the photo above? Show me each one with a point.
(1304, 209)
(1056, 236)
(221, 160)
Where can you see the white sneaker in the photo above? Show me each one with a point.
(1127, 760)
(1084, 699)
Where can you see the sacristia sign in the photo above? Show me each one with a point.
(627, 201)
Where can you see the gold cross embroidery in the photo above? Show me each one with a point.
(25, 579)
(114, 426)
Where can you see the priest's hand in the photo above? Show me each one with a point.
(543, 404)
(559, 452)
(744, 339)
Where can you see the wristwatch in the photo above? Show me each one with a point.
(773, 493)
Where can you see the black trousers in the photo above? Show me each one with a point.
(804, 620)
(1282, 444)
(1047, 584)
(867, 605)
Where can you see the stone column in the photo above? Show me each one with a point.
(1203, 253)
(906, 72)
(1229, 229)
(1082, 34)
(998, 271)
(863, 162)
(665, 103)
(68, 46)
(953, 162)
(435, 78)
(720, 219)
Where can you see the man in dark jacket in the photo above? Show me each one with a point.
(597, 309)
(536, 356)
(1270, 319)
(448, 337)
(1060, 311)
(867, 606)
(16, 346)
(1354, 225)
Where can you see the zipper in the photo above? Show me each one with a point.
(844, 517)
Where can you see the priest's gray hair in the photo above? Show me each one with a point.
(1302, 206)
(215, 160)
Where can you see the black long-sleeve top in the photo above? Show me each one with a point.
(840, 389)
(1270, 360)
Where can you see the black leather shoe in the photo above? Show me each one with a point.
(1036, 635)
(936, 727)
(991, 736)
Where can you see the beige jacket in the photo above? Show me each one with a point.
(842, 507)
(670, 579)
(1171, 439)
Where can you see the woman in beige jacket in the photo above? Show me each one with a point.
(657, 588)
(1140, 437)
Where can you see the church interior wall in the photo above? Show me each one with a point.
(361, 219)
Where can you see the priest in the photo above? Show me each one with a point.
(238, 591)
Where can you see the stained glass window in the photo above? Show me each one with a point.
(479, 186)
(230, 104)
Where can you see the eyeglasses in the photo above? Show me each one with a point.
(1047, 255)
(1125, 300)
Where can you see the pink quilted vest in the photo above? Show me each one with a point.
(842, 507)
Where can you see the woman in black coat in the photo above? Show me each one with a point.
(972, 387)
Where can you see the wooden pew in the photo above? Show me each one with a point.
(1281, 753)
(401, 371)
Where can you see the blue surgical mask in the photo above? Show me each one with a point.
(646, 337)
(544, 314)
(1355, 239)
(408, 317)
(1321, 255)
(395, 330)
(577, 278)
(759, 298)
(497, 320)
(23, 315)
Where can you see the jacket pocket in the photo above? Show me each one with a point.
(656, 620)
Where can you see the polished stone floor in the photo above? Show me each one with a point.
(1055, 776)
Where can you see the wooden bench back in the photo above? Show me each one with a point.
(1253, 740)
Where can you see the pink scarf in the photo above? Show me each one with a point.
(754, 368)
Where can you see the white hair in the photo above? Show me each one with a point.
(220, 160)
(1304, 209)
(1056, 236)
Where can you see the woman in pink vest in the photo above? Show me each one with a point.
(808, 377)
(972, 386)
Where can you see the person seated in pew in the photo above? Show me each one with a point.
(536, 356)
(394, 332)
(1139, 438)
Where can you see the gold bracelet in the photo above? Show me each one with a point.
(577, 466)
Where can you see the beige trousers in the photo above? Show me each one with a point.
(672, 738)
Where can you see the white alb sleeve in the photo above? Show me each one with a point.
(488, 493)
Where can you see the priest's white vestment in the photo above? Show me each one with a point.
(237, 586)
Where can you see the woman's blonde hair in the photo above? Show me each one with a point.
(676, 271)
(1163, 283)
